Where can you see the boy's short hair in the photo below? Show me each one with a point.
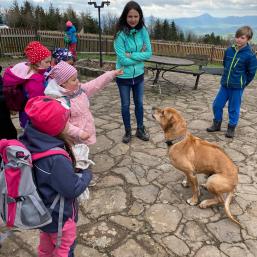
(244, 31)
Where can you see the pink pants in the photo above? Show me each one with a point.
(47, 247)
(72, 49)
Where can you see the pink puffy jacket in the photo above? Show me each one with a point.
(81, 117)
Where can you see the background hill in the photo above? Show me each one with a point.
(225, 26)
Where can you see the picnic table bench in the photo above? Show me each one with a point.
(200, 61)
(174, 64)
(214, 71)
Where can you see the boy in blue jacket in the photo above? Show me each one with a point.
(239, 70)
(54, 174)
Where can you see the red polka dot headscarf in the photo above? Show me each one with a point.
(36, 52)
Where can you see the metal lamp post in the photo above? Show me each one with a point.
(99, 25)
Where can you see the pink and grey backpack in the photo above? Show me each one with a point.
(20, 203)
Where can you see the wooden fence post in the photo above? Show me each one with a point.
(212, 52)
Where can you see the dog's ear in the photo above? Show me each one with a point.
(167, 114)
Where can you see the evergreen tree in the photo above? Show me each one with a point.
(13, 16)
(151, 25)
(51, 18)
(1, 18)
(166, 32)
(173, 32)
(158, 29)
(90, 25)
(27, 15)
(181, 36)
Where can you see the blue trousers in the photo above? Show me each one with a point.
(137, 86)
(234, 97)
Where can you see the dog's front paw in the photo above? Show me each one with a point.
(192, 201)
(185, 183)
(203, 204)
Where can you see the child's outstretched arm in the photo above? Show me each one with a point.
(100, 82)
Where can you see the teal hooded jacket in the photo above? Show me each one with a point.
(137, 43)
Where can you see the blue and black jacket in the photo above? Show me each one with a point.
(55, 175)
(132, 41)
(71, 32)
(239, 67)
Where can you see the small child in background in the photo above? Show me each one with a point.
(30, 74)
(62, 54)
(66, 87)
(71, 35)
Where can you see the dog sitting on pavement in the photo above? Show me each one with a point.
(193, 156)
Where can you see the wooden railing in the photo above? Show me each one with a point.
(13, 42)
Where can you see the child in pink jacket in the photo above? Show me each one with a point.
(66, 87)
(30, 74)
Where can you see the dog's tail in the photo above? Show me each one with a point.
(227, 210)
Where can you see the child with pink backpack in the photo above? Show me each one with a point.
(26, 79)
(53, 174)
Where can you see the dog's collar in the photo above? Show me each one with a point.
(174, 141)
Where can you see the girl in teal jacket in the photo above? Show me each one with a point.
(132, 46)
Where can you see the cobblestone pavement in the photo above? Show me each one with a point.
(138, 207)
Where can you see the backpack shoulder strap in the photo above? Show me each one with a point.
(53, 151)
(37, 156)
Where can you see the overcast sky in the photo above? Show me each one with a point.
(160, 8)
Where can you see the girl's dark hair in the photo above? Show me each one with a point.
(122, 24)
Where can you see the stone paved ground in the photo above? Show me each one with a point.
(138, 206)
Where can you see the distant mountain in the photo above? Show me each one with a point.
(206, 24)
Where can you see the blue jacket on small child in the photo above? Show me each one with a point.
(55, 174)
(239, 67)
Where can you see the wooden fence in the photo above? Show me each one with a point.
(13, 42)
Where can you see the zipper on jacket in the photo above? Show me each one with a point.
(134, 38)
(236, 62)
(231, 65)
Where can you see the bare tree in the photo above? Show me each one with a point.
(109, 21)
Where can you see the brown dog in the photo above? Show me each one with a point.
(193, 155)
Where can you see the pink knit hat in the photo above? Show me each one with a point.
(62, 72)
(69, 24)
(36, 52)
(47, 114)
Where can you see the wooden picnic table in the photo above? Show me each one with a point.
(164, 64)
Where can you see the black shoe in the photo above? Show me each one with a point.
(216, 125)
(142, 134)
(231, 131)
(127, 136)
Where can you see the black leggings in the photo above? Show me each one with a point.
(7, 129)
